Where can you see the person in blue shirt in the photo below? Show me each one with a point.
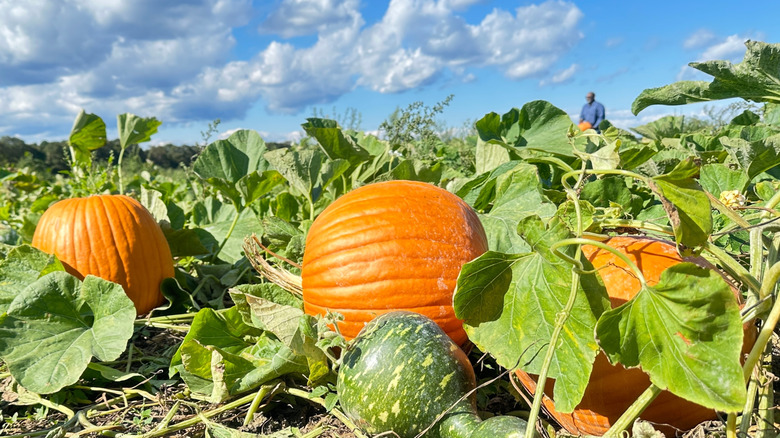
(592, 112)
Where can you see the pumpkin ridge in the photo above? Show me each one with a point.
(350, 205)
(348, 228)
(142, 246)
(99, 232)
(361, 290)
(112, 214)
(362, 245)
(351, 226)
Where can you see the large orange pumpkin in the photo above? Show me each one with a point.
(395, 245)
(613, 388)
(584, 126)
(110, 236)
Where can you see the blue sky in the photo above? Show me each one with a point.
(266, 65)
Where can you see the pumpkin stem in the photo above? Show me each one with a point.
(254, 250)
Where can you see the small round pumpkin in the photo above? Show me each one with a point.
(110, 236)
(613, 388)
(395, 245)
(584, 126)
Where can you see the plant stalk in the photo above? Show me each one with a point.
(634, 411)
(561, 318)
(767, 287)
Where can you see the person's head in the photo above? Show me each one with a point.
(590, 96)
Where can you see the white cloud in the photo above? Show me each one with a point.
(613, 42)
(561, 76)
(699, 39)
(171, 59)
(730, 48)
(305, 17)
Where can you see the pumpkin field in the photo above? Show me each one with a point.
(534, 279)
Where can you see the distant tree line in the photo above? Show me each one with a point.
(53, 155)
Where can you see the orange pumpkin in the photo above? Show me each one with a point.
(584, 126)
(110, 236)
(395, 245)
(612, 388)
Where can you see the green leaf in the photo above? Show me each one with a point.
(686, 333)
(334, 142)
(415, 170)
(221, 221)
(537, 126)
(301, 169)
(756, 78)
(755, 157)
(57, 324)
(718, 178)
(224, 163)
(87, 134)
(517, 194)
(271, 308)
(22, 266)
(605, 191)
(112, 374)
(153, 201)
(222, 356)
(257, 184)
(665, 127)
(686, 204)
(510, 304)
(134, 130)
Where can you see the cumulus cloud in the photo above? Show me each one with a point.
(173, 59)
(699, 39)
(305, 17)
(562, 75)
(731, 48)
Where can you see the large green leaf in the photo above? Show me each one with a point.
(247, 224)
(755, 157)
(276, 310)
(517, 194)
(686, 204)
(133, 129)
(57, 324)
(718, 178)
(222, 356)
(537, 126)
(87, 134)
(510, 304)
(235, 166)
(21, 267)
(686, 333)
(334, 141)
(665, 127)
(756, 78)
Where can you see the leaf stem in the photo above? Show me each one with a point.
(734, 268)
(259, 396)
(582, 241)
(560, 320)
(767, 287)
(119, 171)
(632, 223)
(621, 172)
(634, 411)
